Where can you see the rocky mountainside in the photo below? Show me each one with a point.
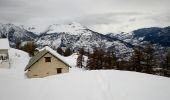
(75, 36)
(15, 33)
(154, 35)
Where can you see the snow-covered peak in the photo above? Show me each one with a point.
(31, 29)
(76, 24)
(15, 33)
(72, 28)
(8, 28)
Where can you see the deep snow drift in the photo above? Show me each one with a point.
(80, 85)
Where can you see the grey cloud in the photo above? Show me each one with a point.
(91, 13)
(123, 21)
(10, 3)
(106, 18)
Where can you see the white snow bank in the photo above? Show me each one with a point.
(18, 60)
(80, 85)
(88, 85)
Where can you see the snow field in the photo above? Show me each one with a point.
(79, 84)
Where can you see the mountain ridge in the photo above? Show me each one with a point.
(79, 37)
(153, 35)
(75, 36)
(15, 33)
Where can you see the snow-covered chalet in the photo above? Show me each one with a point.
(45, 63)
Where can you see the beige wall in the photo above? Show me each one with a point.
(42, 68)
(4, 51)
(4, 63)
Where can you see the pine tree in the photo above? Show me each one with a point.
(3, 36)
(80, 58)
(107, 60)
(148, 57)
(67, 52)
(88, 52)
(100, 59)
(60, 51)
(81, 51)
(110, 61)
(167, 61)
(90, 62)
(113, 60)
(18, 44)
(93, 62)
(136, 60)
(80, 61)
(30, 48)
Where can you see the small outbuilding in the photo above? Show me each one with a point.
(4, 54)
(45, 63)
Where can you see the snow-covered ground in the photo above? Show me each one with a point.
(18, 61)
(79, 84)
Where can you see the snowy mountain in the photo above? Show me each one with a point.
(71, 28)
(16, 33)
(159, 37)
(31, 29)
(154, 35)
(75, 36)
(127, 37)
(79, 84)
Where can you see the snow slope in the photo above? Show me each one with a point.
(88, 85)
(80, 85)
(18, 61)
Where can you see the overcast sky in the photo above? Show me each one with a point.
(99, 15)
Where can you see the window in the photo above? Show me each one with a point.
(47, 59)
(59, 70)
(35, 75)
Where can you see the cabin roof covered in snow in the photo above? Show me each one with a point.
(4, 43)
(41, 53)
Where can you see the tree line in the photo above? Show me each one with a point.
(143, 59)
(30, 48)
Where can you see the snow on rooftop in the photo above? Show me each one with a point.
(55, 54)
(4, 43)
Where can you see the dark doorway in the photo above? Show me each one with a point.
(59, 70)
